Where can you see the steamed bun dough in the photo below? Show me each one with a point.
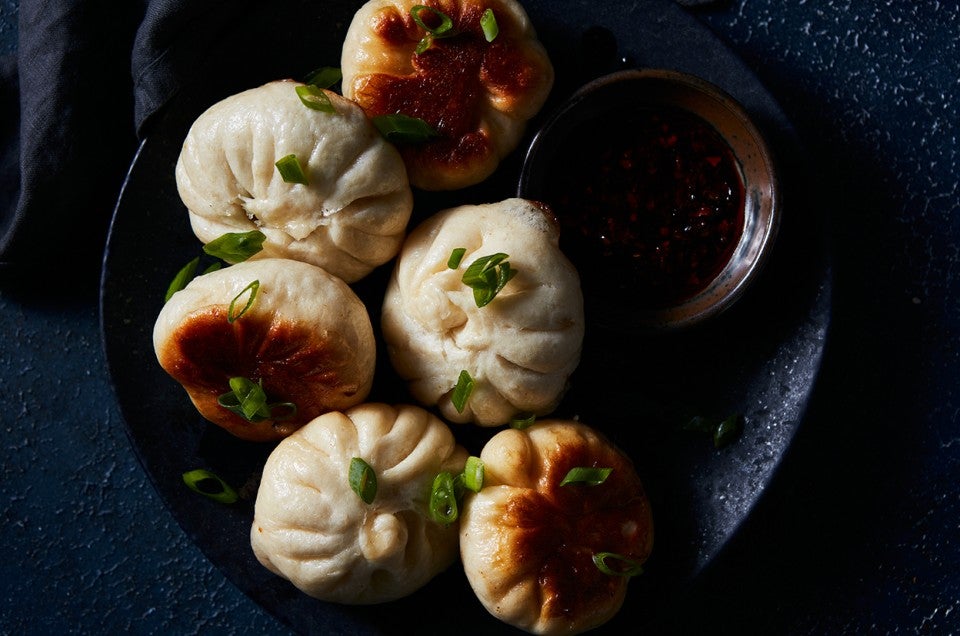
(349, 218)
(527, 543)
(307, 336)
(477, 95)
(520, 349)
(312, 529)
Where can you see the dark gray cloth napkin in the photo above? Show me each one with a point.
(87, 77)
(74, 103)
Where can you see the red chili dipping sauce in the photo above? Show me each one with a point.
(654, 197)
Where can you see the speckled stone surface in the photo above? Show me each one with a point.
(860, 531)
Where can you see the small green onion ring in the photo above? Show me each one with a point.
(586, 475)
(363, 480)
(521, 422)
(443, 500)
(726, 431)
(209, 485)
(236, 247)
(314, 98)
(488, 22)
(253, 288)
(456, 256)
(246, 398)
(290, 170)
(630, 566)
(461, 392)
(487, 276)
(473, 473)
(445, 29)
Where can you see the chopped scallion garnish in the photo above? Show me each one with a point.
(209, 485)
(586, 475)
(247, 399)
(363, 480)
(236, 247)
(455, 257)
(726, 431)
(184, 276)
(290, 170)
(250, 291)
(461, 392)
(723, 432)
(521, 422)
(443, 499)
(324, 77)
(624, 567)
(487, 276)
(444, 29)
(315, 98)
(473, 473)
(403, 129)
(488, 22)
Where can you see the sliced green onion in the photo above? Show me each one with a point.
(624, 567)
(487, 276)
(455, 257)
(522, 422)
(184, 276)
(236, 247)
(726, 431)
(443, 500)
(250, 291)
(444, 29)
(209, 485)
(363, 480)
(586, 475)
(473, 473)
(403, 129)
(423, 44)
(723, 432)
(488, 22)
(315, 98)
(290, 170)
(461, 392)
(324, 77)
(247, 399)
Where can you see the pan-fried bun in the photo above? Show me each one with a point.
(351, 214)
(527, 542)
(478, 95)
(306, 336)
(311, 528)
(520, 348)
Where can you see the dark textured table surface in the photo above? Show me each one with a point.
(858, 533)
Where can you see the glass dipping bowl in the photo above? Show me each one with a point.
(641, 282)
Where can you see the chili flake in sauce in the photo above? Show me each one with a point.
(655, 196)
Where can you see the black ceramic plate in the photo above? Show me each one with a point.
(759, 360)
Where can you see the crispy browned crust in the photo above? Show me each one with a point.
(565, 526)
(528, 543)
(458, 85)
(296, 364)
